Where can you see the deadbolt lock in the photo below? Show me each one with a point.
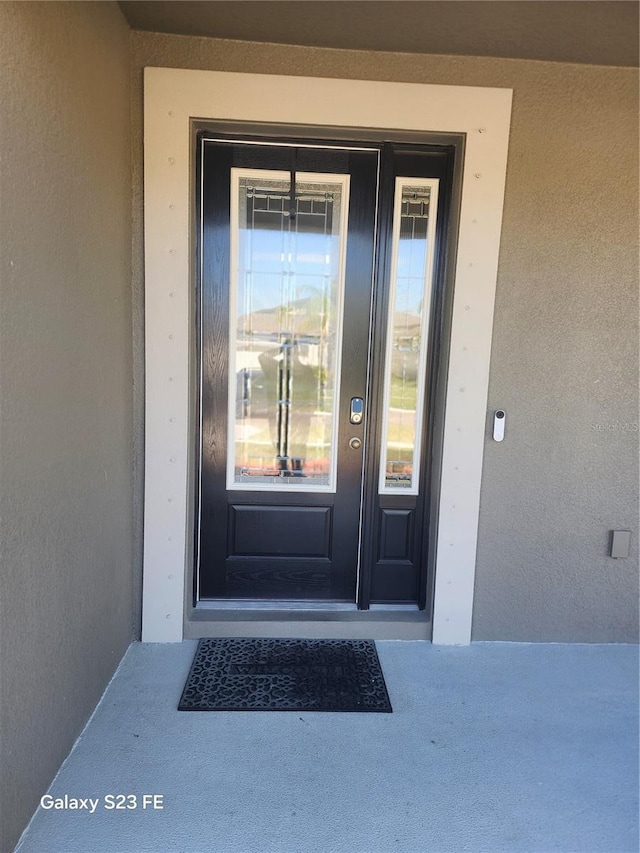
(355, 443)
(356, 410)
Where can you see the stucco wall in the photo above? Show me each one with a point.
(565, 352)
(66, 428)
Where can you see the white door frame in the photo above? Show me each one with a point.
(172, 98)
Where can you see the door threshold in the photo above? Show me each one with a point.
(241, 605)
(324, 620)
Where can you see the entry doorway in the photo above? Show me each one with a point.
(321, 278)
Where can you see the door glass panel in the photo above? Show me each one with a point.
(407, 333)
(287, 292)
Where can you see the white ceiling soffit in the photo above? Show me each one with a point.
(584, 31)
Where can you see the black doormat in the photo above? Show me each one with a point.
(285, 675)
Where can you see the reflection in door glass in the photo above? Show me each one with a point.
(407, 333)
(285, 335)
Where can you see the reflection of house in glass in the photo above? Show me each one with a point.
(283, 400)
(405, 346)
(405, 353)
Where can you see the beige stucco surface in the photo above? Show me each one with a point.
(565, 348)
(599, 32)
(65, 346)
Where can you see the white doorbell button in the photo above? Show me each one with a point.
(498, 425)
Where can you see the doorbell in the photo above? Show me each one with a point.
(498, 425)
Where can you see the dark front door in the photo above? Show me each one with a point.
(316, 306)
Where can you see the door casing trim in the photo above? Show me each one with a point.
(173, 97)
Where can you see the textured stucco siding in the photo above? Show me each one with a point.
(565, 347)
(66, 427)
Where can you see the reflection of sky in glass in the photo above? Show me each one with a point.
(412, 256)
(265, 268)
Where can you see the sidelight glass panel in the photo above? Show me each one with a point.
(412, 261)
(287, 292)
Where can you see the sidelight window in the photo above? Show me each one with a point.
(412, 263)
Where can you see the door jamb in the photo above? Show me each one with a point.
(438, 342)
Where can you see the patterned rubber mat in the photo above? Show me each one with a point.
(285, 675)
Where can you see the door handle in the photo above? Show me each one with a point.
(356, 410)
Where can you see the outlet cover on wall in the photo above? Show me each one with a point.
(620, 542)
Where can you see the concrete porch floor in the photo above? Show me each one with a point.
(491, 747)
